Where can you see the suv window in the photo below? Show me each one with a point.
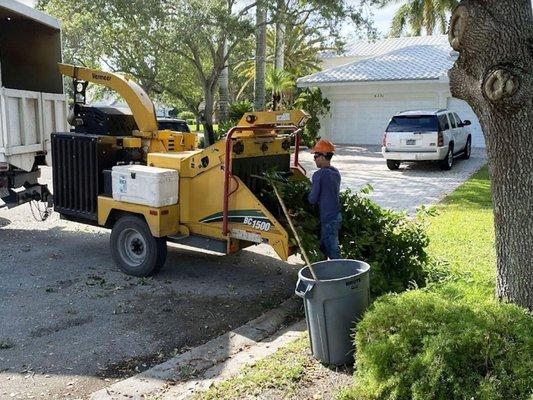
(443, 122)
(459, 122)
(413, 123)
(452, 120)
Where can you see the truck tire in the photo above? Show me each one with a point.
(447, 162)
(393, 164)
(135, 251)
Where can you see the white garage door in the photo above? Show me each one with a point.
(465, 112)
(364, 121)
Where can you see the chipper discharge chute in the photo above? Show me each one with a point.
(151, 186)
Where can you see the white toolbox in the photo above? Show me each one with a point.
(139, 184)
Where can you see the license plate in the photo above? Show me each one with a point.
(410, 141)
(244, 235)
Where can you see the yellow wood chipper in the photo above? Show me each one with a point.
(151, 186)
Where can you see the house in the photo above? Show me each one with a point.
(371, 81)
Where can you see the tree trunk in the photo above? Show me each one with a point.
(260, 58)
(279, 58)
(209, 133)
(276, 98)
(223, 90)
(494, 74)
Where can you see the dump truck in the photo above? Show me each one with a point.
(152, 186)
(32, 101)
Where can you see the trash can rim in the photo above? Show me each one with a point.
(365, 265)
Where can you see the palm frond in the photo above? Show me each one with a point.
(399, 21)
(429, 16)
(416, 16)
(278, 80)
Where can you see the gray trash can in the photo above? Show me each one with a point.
(332, 305)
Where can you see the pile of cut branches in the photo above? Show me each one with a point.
(392, 243)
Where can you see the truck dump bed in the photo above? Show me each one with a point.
(32, 103)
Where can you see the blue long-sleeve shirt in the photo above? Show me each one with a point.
(325, 192)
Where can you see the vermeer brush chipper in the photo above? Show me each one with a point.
(151, 186)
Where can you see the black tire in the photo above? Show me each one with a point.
(393, 164)
(447, 162)
(135, 251)
(468, 149)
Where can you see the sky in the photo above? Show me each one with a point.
(383, 18)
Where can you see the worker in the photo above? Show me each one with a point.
(325, 191)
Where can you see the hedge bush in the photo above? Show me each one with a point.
(186, 115)
(422, 345)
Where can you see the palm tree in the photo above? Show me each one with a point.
(302, 46)
(278, 81)
(430, 15)
(260, 57)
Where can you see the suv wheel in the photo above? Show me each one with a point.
(447, 163)
(468, 149)
(393, 164)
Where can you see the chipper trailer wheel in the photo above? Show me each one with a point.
(135, 251)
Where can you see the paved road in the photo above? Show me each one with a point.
(409, 187)
(71, 323)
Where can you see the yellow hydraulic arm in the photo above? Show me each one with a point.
(138, 101)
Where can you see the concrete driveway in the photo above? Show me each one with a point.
(406, 189)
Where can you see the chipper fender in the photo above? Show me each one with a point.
(162, 221)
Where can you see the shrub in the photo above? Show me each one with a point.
(235, 112)
(311, 100)
(238, 108)
(191, 121)
(393, 244)
(187, 115)
(421, 345)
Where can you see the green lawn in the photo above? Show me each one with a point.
(463, 234)
(285, 369)
(193, 128)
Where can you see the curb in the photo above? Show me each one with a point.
(232, 366)
(200, 358)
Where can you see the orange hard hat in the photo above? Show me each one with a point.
(323, 146)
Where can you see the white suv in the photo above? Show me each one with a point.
(422, 135)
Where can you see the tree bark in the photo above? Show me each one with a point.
(260, 58)
(223, 90)
(207, 120)
(494, 74)
(279, 57)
